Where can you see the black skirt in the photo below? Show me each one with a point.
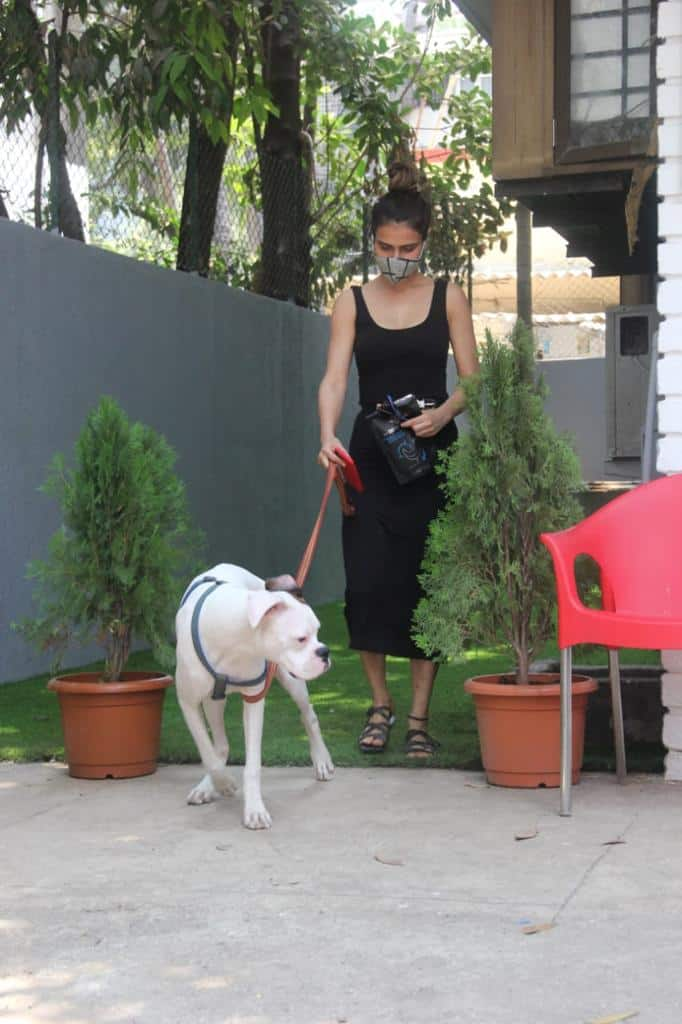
(383, 546)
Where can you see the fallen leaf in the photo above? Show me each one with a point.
(532, 929)
(220, 846)
(614, 842)
(394, 862)
(530, 834)
(615, 1017)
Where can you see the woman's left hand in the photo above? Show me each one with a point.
(428, 424)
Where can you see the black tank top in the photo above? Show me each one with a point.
(399, 361)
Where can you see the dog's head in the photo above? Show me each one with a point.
(288, 628)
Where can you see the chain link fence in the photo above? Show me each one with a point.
(132, 203)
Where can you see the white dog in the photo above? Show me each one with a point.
(230, 623)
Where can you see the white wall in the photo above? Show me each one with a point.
(669, 65)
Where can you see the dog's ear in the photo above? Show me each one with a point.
(286, 583)
(261, 603)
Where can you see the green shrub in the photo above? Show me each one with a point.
(113, 567)
(486, 576)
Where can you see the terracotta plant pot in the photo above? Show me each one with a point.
(111, 730)
(519, 728)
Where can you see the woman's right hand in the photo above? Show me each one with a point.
(327, 453)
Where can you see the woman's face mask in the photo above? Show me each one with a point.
(397, 268)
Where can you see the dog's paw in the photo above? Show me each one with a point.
(323, 766)
(323, 769)
(257, 816)
(223, 782)
(204, 793)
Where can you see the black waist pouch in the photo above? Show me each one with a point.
(407, 456)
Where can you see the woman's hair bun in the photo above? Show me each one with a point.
(403, 177)
(407, 200)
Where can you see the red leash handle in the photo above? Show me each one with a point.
(334, 475)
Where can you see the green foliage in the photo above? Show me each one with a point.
(113, 567)
(467, 218)
(379, 76)
(463, 224)
(486, 576)
(139, 71)
(87, 49)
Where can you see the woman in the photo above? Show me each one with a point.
(399, 327)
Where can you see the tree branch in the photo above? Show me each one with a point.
(420, 64)
(38, 186)
(339, 197)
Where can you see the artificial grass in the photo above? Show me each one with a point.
(30, 728)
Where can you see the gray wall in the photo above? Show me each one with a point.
(577, 393)
(577, 404)
(230, 379)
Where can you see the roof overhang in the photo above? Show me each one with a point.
(480, 14)
(589, 211)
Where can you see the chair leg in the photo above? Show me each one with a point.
(617, 712)
(566, 731)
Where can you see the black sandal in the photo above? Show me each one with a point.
(376, 730)
(418, 744)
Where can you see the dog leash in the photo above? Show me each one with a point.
(334, 476)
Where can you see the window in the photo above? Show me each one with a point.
(605, 77)
(634, 336)
(483, 82)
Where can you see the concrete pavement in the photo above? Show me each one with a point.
(389, 895)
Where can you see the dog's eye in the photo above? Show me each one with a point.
(302, 639)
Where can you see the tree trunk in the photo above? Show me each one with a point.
(522, 666)
(285, 256)
(52, 126)
(366, 240)
(3, 208)
(64, 213)
(118, 652)
(38, 181)
(203, 175)
(470, 278)
(70, 220)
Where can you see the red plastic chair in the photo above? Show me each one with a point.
(636, 540)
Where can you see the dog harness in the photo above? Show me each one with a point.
(220, 679)
(334, 476)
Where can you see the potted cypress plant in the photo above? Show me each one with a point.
(487, 578)
(111, 573)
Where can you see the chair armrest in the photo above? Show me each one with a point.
(564, 548)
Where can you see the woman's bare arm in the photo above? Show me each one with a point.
(332, 392)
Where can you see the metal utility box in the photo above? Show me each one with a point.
(629, 337)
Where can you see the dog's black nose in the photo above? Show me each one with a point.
(323, 652)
